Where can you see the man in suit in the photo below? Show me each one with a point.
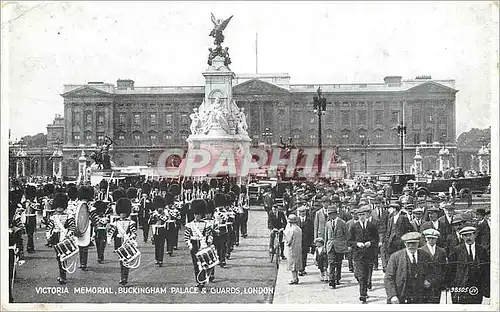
(409, 275)
(446, 221)
(307, 226)
(483, 237)
(276, 220)
(380, 216)
(454, 238)
(438, 262)
(469, 270)
(320, 219)
(350, 224)
(363, 239)
(268, 201)
(397, 226)
(336, 238)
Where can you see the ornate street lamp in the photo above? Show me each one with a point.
(365, 143)
(319, 108)
(401, 129)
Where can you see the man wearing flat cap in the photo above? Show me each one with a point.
(363, 239)
(438, 262)
(306, 224)
(469, 270)
(336, 238)
(409, 275)
(434, 224)
(455, 238)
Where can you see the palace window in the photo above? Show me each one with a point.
(152, 138)
(168, 137)
(428, 138)
(362, 117)
(121, 137)
(153, 119)
(100, 137)
(121, 119)
(415, 116)
(76, 118)
(296, 136)
(88, 137)
(168, 119)
(88, 119)
(345, 117)
(137, 139)
(416, 137)
(379, 117)
(184, 119)
(394, 117)
(76, 137)
(100, 119)
(137, 119)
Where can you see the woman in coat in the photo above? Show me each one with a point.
(293, 248)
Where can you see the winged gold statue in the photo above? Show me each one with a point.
(219, 26)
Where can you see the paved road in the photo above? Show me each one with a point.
(247, 271)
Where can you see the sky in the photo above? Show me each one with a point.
(48, 44)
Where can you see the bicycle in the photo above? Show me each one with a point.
(278, 238)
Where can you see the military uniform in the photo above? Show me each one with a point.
(100, 221)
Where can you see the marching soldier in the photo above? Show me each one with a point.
(122, 230)
(409, 275)
(100, 220)
(73, 199)
(30, 209)
(196, 235)
(61, 226)
(469, 270)
(438, 261)
(246, 207)
(173, 222)
(363, 239)
(231, 218)
(221, 233)
(85, 195)
(211, 223)
(158, 221)
(132, 196)
(144, 210)
(16, 229)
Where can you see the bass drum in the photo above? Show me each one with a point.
(82, 220)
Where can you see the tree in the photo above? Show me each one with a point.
(38, 140)
(472, 138)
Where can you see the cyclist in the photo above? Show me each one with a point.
(276, 221)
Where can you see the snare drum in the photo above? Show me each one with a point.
(157, 228)
(207, 258)
(66, 249)
(128, 253)
(223, 229)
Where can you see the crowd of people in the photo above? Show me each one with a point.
(424, 246)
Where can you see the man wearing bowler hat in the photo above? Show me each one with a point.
(469, 270)
(409, 275)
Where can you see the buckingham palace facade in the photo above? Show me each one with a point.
(143, 121)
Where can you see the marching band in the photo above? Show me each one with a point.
(359, 222)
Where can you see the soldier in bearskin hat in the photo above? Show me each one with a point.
(16, 230)
(209, 218)
(173, 223)
(72, 191)
(158, 220)
(145, 207)
(99, 222)
(61, 226)
(122, 230)
(132, 195)
(85, 195)
(221, 236)
(31, 207)
(197, 235)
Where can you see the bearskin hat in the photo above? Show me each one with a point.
(118, 193)
(229, 199)
(205, 187)
(48, 189)
(175, 189)
(210, 206)
(60, 201)
(131, 193)
(219, 200)
(146, 188)
(163, 185)
(232, 196)
(59, 189)
(30, 192)
(155, 184)
(198, 206)
(15, 197)
(85, 193)
(103, 185)
(159, 202)
(72, 192)
(100, 207)
(169, 198)
(123, 205)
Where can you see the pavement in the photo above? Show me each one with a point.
(311, 290)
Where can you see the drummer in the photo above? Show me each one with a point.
(85, 195)
(173, 222)
(122, 230)
(196, 235)
(158, 221)
(61, 226)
